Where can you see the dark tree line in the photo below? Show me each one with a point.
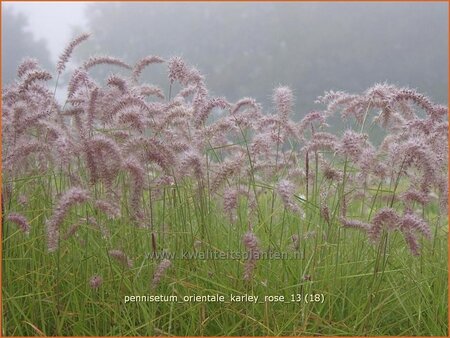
(245, 49)
(19, 43)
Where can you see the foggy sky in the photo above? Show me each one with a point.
(51, 21)
(55, 22)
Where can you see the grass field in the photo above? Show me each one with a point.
(129, 211)
(367, 289)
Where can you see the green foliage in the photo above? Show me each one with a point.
(367, 289)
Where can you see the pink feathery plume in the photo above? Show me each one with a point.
(160, 272)
(419, 153)
(192, 161)
(79, 79)
(91, 111)
(226, 170)
(159, 152)
(421, 100)
(110, 209)
(121, 258)
(194, 76)
(286, 190)
(104, 60)
(331, 173)
(133, 119)
(325, 212)
(251, 243)
(246, 101)
(352, 144)
(261, 144)
(284, 101)
(118, 82)
(21, 151)
(412, 242)
(65, 56)
(127, 102)
(178, 70)
(96, 281)
(141, 64)
(308, 119)
(230, 199)
(413, 195)
(106, 158)
(26, 66)
(355, 224)
(71, 197)
(385, 216)
(137, 175)
(149, 90)
(203, 114)
(21, 222)
(321, 141)
(33, 76)
(414, 223)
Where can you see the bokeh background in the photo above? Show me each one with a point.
(246, 49)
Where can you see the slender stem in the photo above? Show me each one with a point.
(365, 115)
(56, 85)
(397, 181)
(307, 174)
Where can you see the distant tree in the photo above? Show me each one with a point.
(246, 49)
(18, 43)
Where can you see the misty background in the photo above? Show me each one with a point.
(246, 49)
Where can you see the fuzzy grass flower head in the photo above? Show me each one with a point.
(95, 281)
